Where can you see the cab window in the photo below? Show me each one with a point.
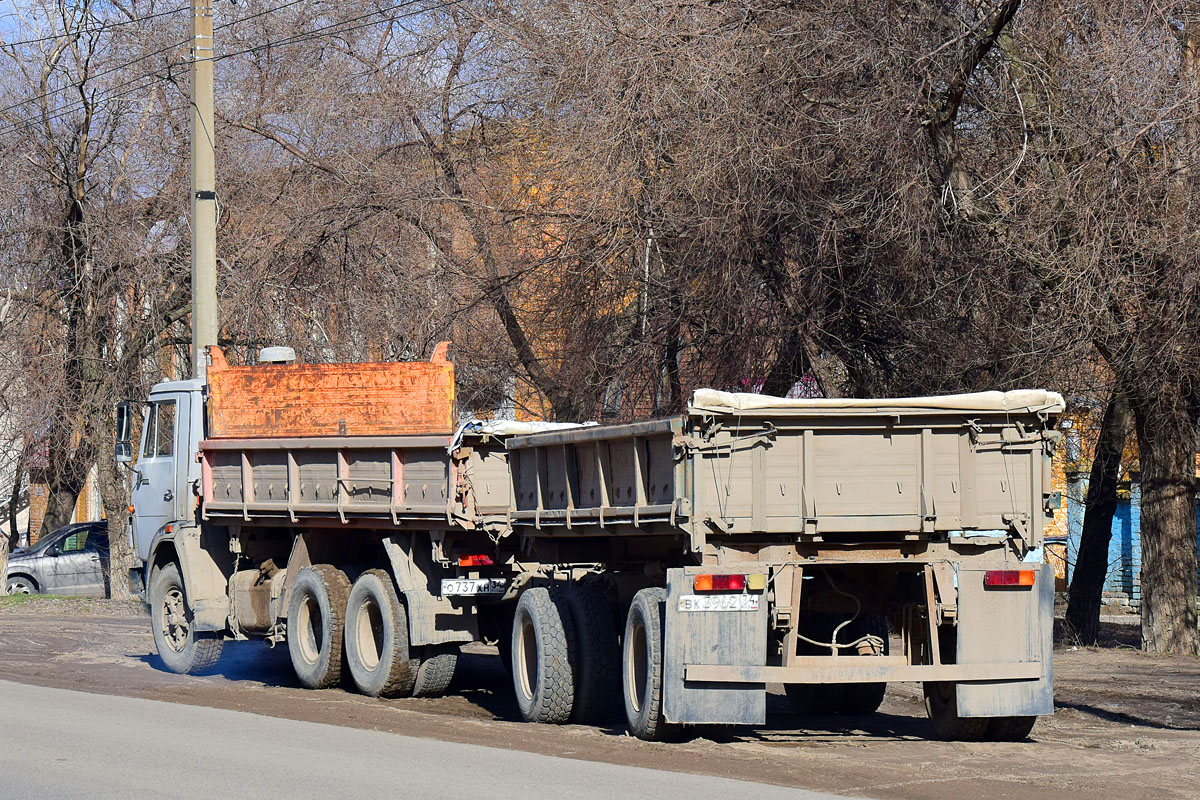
(165, 429)
(160, 430)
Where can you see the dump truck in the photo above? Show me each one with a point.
(665, 571)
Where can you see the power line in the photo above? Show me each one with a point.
(152, 79)
(98, 29)
(108, 71)
(169, 47)
(327, 29)
(256, 14)
(331, 29)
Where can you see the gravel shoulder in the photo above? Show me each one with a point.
(1127, 724)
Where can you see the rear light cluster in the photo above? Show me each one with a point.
(479, 560)
(729, 583)
(1009, 577)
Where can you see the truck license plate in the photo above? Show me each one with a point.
(469, 587)
(719, 602)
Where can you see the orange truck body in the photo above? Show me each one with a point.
(305, 400)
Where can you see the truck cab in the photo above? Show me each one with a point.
(165, 473)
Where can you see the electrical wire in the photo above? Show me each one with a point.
(98, 29)
(133, 61)
(257, 14)
(331, 29)
(102, 73)
(326, 30)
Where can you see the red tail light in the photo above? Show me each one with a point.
(479, 560)
(1009, 577)
(719, 583)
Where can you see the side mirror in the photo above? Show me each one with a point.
(53, 551)
(124, 445)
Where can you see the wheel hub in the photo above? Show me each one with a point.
(175, 624)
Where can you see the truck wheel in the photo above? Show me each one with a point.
(182, 649)
(377, 652)
(941, 705)
(316, 613)
(642, 666)
(434, 669)
(542, 644)
(814, 699)
(597, 684)
(1010, 729)
(866, 698)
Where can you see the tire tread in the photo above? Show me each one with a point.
(598, 667)
(554, 691)
(336, 586)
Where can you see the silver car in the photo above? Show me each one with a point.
(70, 560)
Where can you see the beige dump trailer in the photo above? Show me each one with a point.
(829, 546)
(667, 571)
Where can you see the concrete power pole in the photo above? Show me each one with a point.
(204, 186)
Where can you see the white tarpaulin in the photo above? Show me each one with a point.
(507, 427)
(1017, 401)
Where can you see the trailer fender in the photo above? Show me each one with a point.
(203, 579)
(1006, 624)
(733, 638)
(432, 619)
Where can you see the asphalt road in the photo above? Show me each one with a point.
(66, 744)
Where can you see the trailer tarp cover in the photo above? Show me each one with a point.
(1023, 401)
(507, 427)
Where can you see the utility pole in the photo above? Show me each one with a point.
(204, 190)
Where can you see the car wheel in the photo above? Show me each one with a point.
(19, 584)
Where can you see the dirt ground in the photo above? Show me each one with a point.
(1127, 725)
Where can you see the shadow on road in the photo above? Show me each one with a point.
(246, 661)
(1123, 718)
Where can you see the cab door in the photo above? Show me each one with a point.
(156, 479)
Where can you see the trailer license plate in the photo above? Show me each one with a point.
(469, 587)
(719, 602)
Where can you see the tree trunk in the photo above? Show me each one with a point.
(60, 506)
(8, 542)
(1167, 445)
(1091, 566)
(114, 491)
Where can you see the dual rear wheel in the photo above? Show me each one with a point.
(567, 665)
(563, 652)
(360, 631)
(941, 705)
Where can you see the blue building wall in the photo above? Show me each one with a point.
(1125, 547)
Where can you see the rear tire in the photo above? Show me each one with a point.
(434, 669)
(598, 663)
(316, 623)
(642, 666)
(182, 649)
(542, 644)
(376, 630)
(1010, 729)
(815, 699)
(941, 705)
(865, 698)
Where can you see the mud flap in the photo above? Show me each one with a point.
(737, 638)
(1005, 624)
(432, 619)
